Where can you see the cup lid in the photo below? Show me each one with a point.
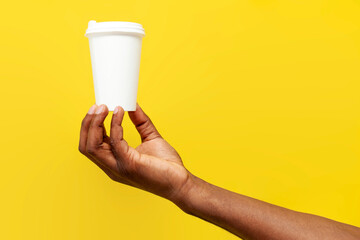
(114, 27)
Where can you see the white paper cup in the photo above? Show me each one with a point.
(115, 49)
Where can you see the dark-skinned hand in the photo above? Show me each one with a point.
(153, 166)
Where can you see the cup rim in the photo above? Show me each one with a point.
(112, 27)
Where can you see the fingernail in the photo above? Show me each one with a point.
(116, 110)
(100, 109)
(92, 109)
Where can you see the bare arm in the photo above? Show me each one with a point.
(156, 167)
(252, 219)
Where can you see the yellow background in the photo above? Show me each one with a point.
(260, 97)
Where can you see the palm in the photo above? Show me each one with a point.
(159, 148)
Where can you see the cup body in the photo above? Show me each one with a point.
(115, 59)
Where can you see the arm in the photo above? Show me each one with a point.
(156, 167)
(253, 219)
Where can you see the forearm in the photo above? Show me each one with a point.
(253, 219)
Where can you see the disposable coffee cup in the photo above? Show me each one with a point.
(115, 49)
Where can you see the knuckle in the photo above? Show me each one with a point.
(144, 125)
(113, 142)
(118, 129)
(97, 121)
(91, 149)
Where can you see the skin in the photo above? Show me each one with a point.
(156, 167)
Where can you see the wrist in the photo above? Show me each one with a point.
(187, 196)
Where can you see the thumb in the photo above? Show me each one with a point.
(143, 124)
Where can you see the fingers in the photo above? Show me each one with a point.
(96, 129)
(85, 125)
(96, 144)
(143, 125)
(120, 146)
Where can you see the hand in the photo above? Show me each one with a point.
(153, 166)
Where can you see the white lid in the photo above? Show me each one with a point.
(114, 27)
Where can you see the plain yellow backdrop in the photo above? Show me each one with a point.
(260, 97)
